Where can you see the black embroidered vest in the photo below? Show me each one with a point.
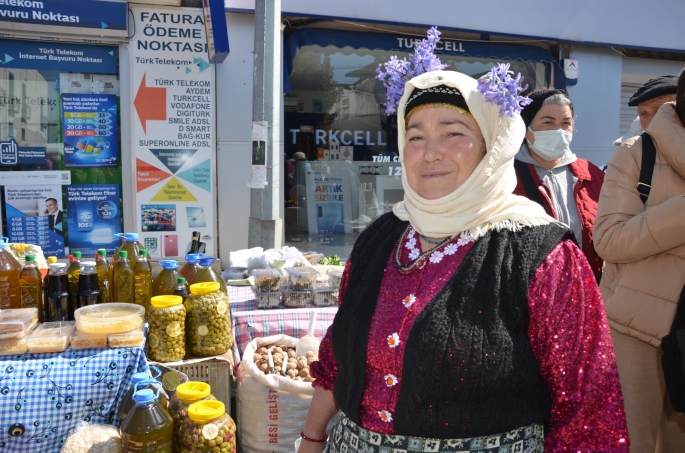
(469, 368)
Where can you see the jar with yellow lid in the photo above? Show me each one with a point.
(208, 324)
(186, 394)
(208, 429)
(167, 337)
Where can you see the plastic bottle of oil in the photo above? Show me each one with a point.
(74, 272)
(142, 280)
(181, 288)
(148, 428)
(139, 381)
(31, 287)
(129, 242)
(46, 285)
(165, 282)
(189, 269)
(104, 275)
(88, 286)
(10, 269)
(123, 279)
(207, 274)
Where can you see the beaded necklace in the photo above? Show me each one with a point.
(417, 263)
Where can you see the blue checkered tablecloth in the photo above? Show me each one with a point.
(249, 322)
(44, 396)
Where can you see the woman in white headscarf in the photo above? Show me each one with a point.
(469, 319)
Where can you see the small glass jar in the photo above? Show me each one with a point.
(208, 323)
(208, 428)
(186, 394)
(167, 337)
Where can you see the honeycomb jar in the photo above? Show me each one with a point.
(167, 337)
(208, 323)
(186, 394)
(207, 429)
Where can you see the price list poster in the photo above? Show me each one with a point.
(89, 125)
(35, 216)
(173, 132)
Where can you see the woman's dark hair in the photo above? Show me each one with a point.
(680, 98)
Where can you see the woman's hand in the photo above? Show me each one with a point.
(311, 447)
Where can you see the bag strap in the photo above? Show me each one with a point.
(644, 186)
(679, 319)
(529, 185)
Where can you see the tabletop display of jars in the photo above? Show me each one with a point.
(208, 323)
(167, 337)
(207, 429)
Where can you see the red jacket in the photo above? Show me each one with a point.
(586, 191)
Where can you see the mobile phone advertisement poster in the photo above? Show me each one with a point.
(90, 135)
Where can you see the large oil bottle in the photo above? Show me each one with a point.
(104, 270)
(74, 272)
(10, 269)
(31, 287)
(189, 269)
(148, 428)
(165, 282)
(207, 274)
(129, 242)
(142, 280)
(123, 279)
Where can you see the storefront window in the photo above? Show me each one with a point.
(60, 159)
(342, 166)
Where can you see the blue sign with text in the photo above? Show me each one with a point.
(217, 31)
(11, 154)
(66, 13)
(58, 57)
(94, 217)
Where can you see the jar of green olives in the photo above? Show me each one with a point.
(186, 394)
(167, 337)
(208, 429)
(208, 323)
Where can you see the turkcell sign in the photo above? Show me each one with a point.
(97, 14)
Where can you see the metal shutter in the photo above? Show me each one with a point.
(628, 114)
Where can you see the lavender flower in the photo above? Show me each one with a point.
(500, 88)
(398, 72)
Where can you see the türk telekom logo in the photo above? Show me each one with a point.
(9, 152)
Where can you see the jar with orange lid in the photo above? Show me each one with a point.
(208, 429)
(167, 337)
(186, 394)
(208, 323)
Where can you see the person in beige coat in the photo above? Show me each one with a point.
(644, 249)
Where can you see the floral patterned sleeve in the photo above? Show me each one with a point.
(571, 340)
(325, 369)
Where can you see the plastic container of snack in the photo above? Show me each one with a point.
(271, 299)
(14, 346)
(325, 297)
(334, 278)
(132, 339)
(81, 340)
(267, 280)
(301, 278)
(51, 337)
(17, 323)
(296, 299)
(104, 319)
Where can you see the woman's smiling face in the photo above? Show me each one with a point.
(443, 147)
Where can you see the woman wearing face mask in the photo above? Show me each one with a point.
(550, 174)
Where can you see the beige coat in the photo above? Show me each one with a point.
(644, 247)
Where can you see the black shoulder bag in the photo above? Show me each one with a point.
(673, 344)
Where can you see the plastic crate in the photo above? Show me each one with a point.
(216, 373)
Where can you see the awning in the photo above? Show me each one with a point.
(349, 41)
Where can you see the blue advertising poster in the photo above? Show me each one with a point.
(94, 217)
(66, 13)
(35, 216)
(50, 56)
(89, 129)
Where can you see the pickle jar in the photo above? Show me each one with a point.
(208, 323)
(167, 339)
(186, 394)
(208, 429)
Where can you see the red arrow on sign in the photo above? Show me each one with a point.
(150, 103)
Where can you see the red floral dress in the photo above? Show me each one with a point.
(568, 332)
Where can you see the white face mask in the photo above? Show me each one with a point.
(550, 145)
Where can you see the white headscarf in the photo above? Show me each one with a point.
(485, 199)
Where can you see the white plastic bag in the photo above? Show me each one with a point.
(271, 409)
(93, 438)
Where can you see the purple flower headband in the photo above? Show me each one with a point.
(398, 72)
(501, 89)
(497, 85)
